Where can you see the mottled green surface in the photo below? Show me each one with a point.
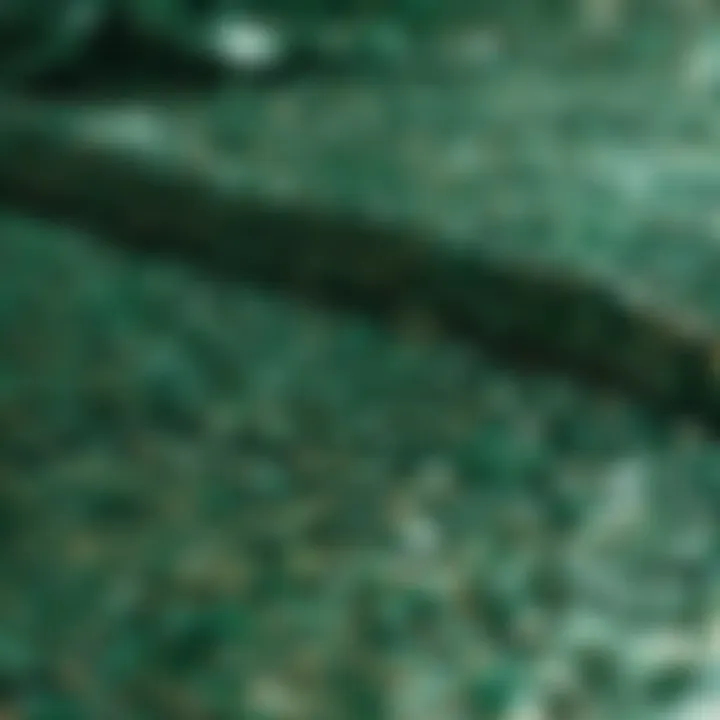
(218, 498)
(221, 502)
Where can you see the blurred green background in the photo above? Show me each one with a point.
(219, 501)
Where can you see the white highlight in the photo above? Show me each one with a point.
(248, 44)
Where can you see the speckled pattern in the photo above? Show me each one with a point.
(224, 503)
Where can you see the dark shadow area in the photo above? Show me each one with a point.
(409, 281)
(121, 62)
